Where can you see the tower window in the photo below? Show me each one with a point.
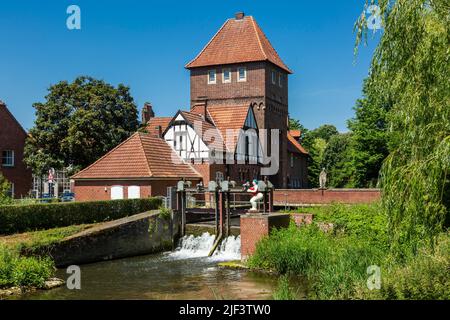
(274, 77)
(242, 74)
(226, 75)
(212, 79)
(280, 80)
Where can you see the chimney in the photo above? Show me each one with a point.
(159, 131)
(147, 113)
(239, 15)
(2, 104)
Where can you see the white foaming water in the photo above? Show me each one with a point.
(199, 247)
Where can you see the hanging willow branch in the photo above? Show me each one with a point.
(410, 69)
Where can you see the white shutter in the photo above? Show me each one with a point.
(134, 192)
(117, 193)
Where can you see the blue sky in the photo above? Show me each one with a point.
(145, 45)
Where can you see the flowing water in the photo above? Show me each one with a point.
(186, 273)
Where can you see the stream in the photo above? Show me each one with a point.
(184, 274)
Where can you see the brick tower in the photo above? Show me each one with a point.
(239, 66)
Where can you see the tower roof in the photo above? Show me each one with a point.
(238, 40)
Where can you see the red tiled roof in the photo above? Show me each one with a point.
(226, 118)
(295, 133)
(238, 41)
(141, 156)
(154, 123)
(294, 146)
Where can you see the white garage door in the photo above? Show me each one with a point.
(117, 193)
(134, 192)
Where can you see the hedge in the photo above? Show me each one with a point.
(23, 218)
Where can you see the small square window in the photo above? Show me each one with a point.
(226, 76)
(242, 74)
(8, 158)
(274, 77)
(212, 77)
(280, 80)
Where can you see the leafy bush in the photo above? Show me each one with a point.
(23, 271)
(21, 218)
(423, 277)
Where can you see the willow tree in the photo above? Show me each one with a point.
(411, 68)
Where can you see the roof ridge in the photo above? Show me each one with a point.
(145, 154)
(105, 155)
(13, 117)
(207, 45)
(257, 37)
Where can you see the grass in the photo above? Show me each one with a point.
(30, 241)
(30, 271)
(284, 291)
(335, 264)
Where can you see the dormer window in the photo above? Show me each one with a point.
(226, 74)
(274, 77)
(212, 79)
(242, 74)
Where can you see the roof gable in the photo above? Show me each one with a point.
(238, 41)
(140, 156)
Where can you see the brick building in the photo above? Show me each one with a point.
(12, 142)
(239, 85)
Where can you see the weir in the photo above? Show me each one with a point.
(200, 247)
(222, 211)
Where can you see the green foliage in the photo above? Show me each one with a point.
(284, 292)
(337, 161)
(78, 123)
(15, 219)
(165, 213)
(316, 150)
(424, 277)
(410, 68)
(369, 143)
(23, 271)
(335, 264)
(4, 190)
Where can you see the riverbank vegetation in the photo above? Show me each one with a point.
(23, 262)
(335, 263)
(19, 267)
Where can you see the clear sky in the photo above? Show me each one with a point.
(146, 44)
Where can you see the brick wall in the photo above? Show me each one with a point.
(101, 190)
(228, 93)
(256, 227)
(12, 137)
(306, 197)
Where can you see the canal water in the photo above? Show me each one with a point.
(186, 273)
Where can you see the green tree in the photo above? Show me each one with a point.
(78, 123)
(315, 141)
(316, 151)
(411, 64)
(5, 188)
(337, 160)
(369, 137)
